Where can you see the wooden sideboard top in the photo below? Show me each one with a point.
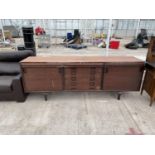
(80, 59)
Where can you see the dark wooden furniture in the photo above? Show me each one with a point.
(149, 84)
(82, 73)
(151, 51)
(149, 80)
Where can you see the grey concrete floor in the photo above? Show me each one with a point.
(80, 112)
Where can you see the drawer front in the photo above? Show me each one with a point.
(42, 79)
(83, 78)
(122, 78)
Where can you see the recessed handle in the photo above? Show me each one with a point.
(106, 69)
(61, 70)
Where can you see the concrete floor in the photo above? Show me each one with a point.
(80, 112)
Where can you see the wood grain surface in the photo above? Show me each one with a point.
(81, 59)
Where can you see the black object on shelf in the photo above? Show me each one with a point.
(29, 39)
(29, 44)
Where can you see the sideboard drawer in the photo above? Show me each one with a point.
(83, 78)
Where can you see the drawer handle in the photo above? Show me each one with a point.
(106, 70)
(61, 70)
(92, 78)
(73, 78)
(73, 73)
(73, 70)
(73, 83)
(92, 83)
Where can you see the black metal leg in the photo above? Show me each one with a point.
(119, 95)
(141, 92)
(45, 97)
(151, 101)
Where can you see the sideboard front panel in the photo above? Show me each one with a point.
(42, 79)
(122, 77)
(83, 78)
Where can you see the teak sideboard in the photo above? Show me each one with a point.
(82, 73)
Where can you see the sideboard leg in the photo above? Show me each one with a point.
(119, 95)
(45, 97)
(151, 102)
(141, 92)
